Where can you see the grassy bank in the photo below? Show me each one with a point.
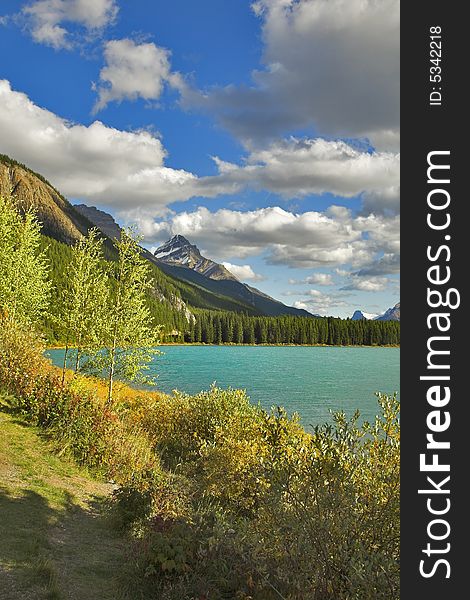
(55, 540)
(220, 498)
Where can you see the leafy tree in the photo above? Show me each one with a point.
(163, 298)
(83, 310)
(24, 284)
(129, 335)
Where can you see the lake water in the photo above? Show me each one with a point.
(309, 380)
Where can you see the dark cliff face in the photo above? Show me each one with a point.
(104, 221)
(179, 251)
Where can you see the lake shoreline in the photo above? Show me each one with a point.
(231, 345)
(304, 379)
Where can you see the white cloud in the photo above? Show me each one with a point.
(134, 71)
(301, 305)
(233, 233)
(322, 304)
(307, 240)
(298, 167)
(384, 265)
(384, 201)
(46, 19)
(243, 272)
(324, 279)
(97, 163)
(126, 171)
(363, 284)
(330, 64)
(113, 166)
(314, 293)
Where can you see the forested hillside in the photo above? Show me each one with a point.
(188, 306)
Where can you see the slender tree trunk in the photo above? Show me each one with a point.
(64, 366)
(111, 372)
(117, 308)
(79, 341)
(112, 364)
(77, 361)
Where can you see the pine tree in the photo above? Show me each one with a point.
(238, 331)
(249, 332)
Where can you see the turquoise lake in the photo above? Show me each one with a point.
(309, 380)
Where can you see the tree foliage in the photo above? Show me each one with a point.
(24, 283)
(83, 303)
(128, 334)
(162, 298)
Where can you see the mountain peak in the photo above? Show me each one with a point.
(179, 251)
(360, 315)
(103, 220)
(181, 239)
(392, 314)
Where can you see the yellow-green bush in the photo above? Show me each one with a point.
(224, 499)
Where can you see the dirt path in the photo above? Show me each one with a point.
(56, 543)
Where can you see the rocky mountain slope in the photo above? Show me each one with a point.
(179, 251)
(59, 218)
(392, 314)
(183, 260)
(100, 219)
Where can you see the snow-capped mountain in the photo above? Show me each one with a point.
(183, 260)
(359, 315)
(391, 314)
(179, 251)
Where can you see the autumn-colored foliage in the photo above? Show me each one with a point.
(224, 499)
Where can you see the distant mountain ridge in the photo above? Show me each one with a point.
(183, 260)
(391, 314)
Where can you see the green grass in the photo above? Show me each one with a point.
(56, 541)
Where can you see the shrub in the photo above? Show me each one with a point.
(21, 356)
(225, 500)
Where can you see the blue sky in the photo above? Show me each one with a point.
(265, 132)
